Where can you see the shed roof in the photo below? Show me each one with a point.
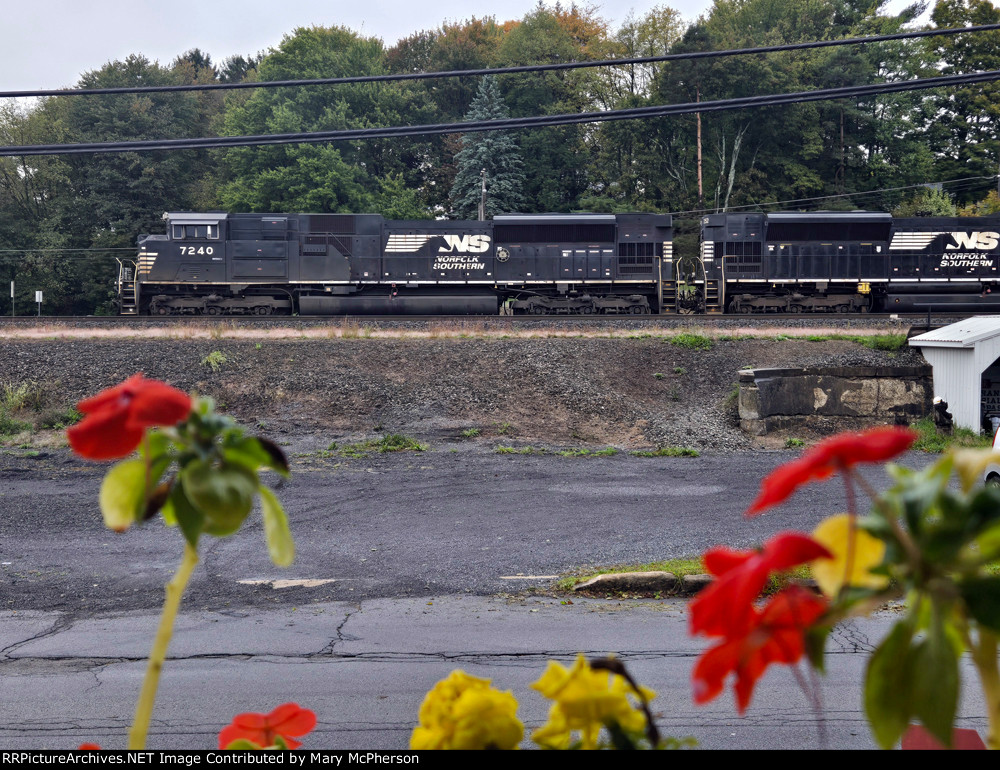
(961, 334)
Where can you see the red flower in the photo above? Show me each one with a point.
(827, 457)
(287, 720)
(775, 635)
(726, 607)
(118, 417)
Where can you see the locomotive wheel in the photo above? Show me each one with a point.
(538, 310)
(262, 310)
(745, 309)
(843, 309)
(212, 310)
(162, 310)
(636, 310)
(795, 308)
(586, 310)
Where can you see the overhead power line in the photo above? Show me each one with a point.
(968, 182)
(94, 251)
(89, 249)
(654, 111)
(500, 70)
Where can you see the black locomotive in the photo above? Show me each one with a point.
(849, 262)
(219, 263)
(345, 264)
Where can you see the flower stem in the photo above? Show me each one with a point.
(157, 656)
(984, 654)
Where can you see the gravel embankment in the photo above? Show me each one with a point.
(583, 392)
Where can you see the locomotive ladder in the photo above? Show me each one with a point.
(668, 297)
(713, 302)
(128, 297)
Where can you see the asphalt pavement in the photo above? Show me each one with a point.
(364, 669)
(408, 566)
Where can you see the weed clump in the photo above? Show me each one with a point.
(214, 360)
(394, 442)
(934, 442)
(668, 451)
(691, 341)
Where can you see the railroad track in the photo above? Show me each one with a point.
(791, 320)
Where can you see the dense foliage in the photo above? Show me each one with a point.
(871, 153)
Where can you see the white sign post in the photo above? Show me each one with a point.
(11, 299)
(38, 299)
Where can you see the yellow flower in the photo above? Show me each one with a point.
(585, 700)
(464, 712)
(854, 551)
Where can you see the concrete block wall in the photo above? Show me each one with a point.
(837, 398)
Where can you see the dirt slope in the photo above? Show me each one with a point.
(598, 391)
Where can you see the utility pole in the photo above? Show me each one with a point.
(482, 197)
(701, 193)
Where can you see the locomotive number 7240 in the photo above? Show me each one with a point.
(192, 250)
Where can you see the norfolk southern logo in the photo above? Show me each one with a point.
(980, 241)
(474, 244)
(457, 252)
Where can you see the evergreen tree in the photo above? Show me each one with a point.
(496, 152)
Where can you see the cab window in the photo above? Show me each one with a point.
(196, 232)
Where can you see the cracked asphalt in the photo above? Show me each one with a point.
(364, 669)
(387, 526)
(420, 563)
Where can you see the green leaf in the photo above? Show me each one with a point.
(279, 538)
(816, 645)
(190, 519)
(984, 508)
(242, 744)
(988, 544)
(276, 455)
(935, 681)
(249, 457)
(888, 686)
(224, 494)
(122, 496)
(155, 444)
(982, 597)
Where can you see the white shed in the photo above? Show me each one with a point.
(960, 354)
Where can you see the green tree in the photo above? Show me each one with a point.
(103, 201)
(928, 202)
(494, 152)
(965, 127)
(311, 177)
(988, 206)
(799, 151)
(239, 68)
(465, 45)
(555, 155)
(622, 159)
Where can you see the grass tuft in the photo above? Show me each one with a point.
(509, 450)
(609, 452)
(214, 360)
(668, 451)
(691, 341)
(934, 442)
